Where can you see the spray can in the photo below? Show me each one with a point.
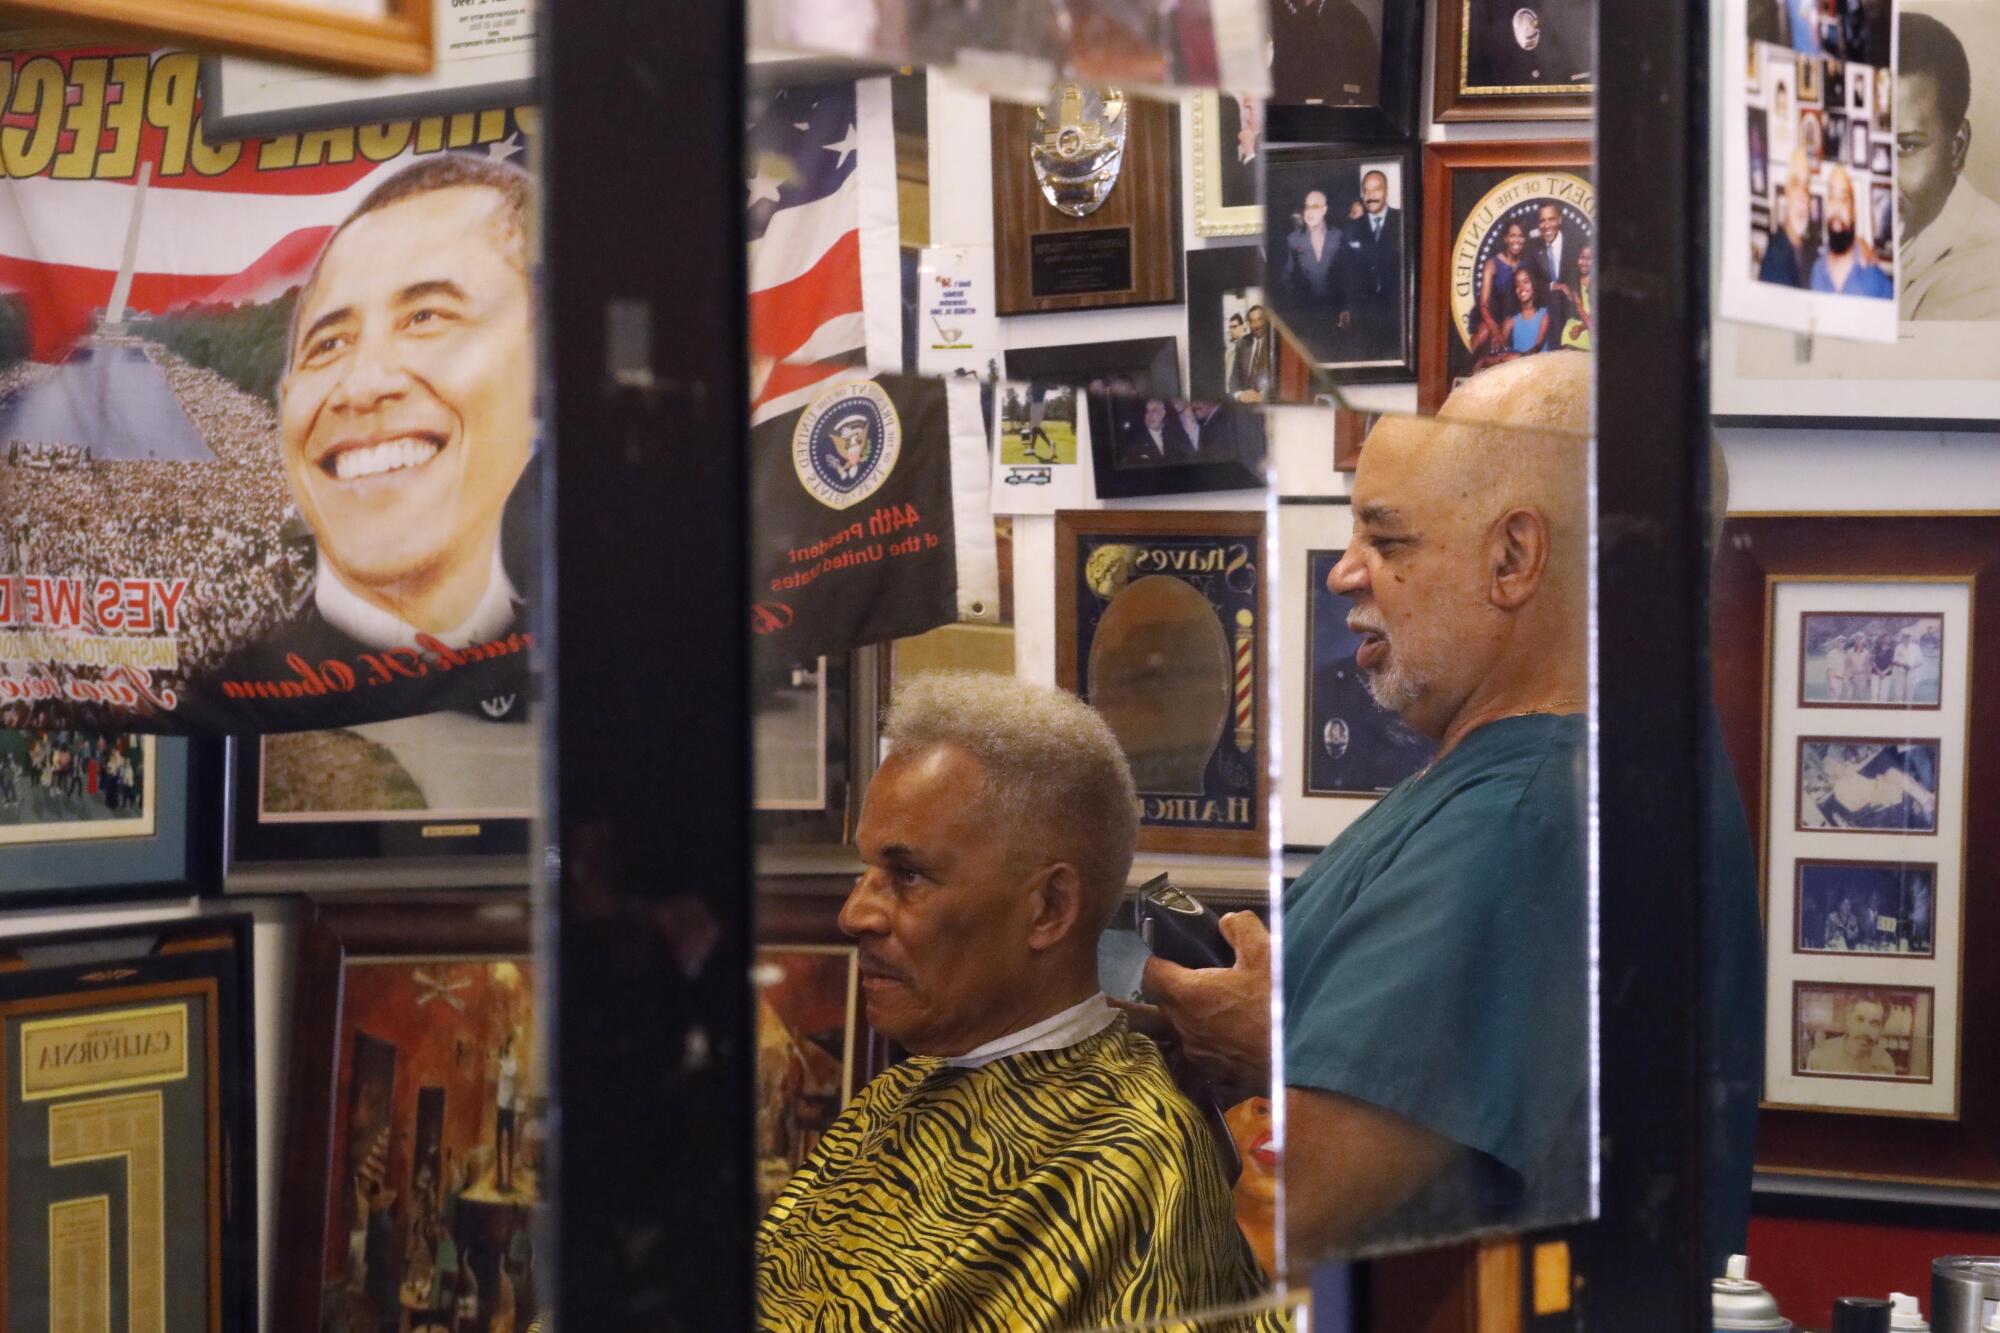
(1904, 1314)
(1741, 1304)
(1860, 1314)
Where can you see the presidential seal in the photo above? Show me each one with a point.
(846, 443)
(1513, 227)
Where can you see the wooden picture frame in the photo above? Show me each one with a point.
(1758, 556)
(1198, 791)
(170, 848)
(1455, 97)
(310, 32)
(1226, 452)
(362, 1124)
(168, 1115)
(1393, 112)
(325, 849)
(1454, 223)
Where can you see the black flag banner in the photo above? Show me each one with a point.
(860, 534)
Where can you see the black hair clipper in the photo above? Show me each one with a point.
(1179, 929)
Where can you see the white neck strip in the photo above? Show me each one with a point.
(1067, 1028)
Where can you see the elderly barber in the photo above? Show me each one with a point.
(1033, 1166)
(1436, 1012)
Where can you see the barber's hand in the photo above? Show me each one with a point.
(1220, 1015)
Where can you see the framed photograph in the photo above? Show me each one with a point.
(1850, 660)
(1497, 60)
(1340, 246)
(1344, 69)
(1228, 143)
(415, 1144)
(1346, 751)
(438, 800)
(98, 815)
(1232, 342)
(1350, 431)
(1943, 371)
(1510, 233)
(806, 1019)
(1174, 446)
(1876, 871)
(1159, 625)
(1877, 1033)
(127, 1123)
(360, 36)
(485, 57)
(1037, 448)
(1126, 365)
(1878, 907)
(1856, 784)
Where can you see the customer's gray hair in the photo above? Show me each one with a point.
(1057, 782)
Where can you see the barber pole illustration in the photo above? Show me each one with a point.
(1246, 672)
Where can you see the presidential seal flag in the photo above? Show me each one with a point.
(861, 535)
(267, 416)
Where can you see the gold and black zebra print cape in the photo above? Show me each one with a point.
(1051, 1190)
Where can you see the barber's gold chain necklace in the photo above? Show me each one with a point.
(1553, 706)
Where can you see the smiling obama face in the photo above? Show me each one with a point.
(407, 409)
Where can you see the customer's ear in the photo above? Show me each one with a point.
(1056, 903)
(1520, 552)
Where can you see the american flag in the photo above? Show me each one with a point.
(824, 286)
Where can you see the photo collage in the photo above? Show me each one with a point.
(1867, 746)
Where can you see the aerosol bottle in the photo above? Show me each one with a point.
(1904, 1316)
(1740, 1304)
(1860, 1314)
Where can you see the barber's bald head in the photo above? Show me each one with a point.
(1469, 565)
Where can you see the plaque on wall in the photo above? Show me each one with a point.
(128, 1175)
(1159, 624)
(1086, 202)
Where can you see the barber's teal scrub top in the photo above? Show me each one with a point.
(1434, 966)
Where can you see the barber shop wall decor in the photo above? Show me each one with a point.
(100, 814)
(1508, 60)
(128, 1194)
(1160, 626)
(1856, 681)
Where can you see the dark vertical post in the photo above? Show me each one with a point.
(1646, 1262)
(645, 396)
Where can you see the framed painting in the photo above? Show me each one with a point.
(1173, 446)
(1340, 246)
(127, 1126)
(1860, 776)
(1345, 69)
(1159, 625)
(415, 1159)
(358, 36)
(485, 58)
(1502, 61)
(1228, 142)
(1510, 234)
(100, 815)
(438, 800)
(1346, 751)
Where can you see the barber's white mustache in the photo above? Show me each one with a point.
(1357, 625)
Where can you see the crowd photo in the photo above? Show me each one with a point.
(65, 777)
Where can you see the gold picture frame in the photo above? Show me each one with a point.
(310, 32)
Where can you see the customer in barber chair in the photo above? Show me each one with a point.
(1032, 1166)
(1436, 1007)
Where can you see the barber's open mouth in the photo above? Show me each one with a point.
(375, 455)
(1374, 646)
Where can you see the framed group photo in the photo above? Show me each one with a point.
(1340, 247)
(1498, 60)
(1510, 236)
(1159, 626)
(1345, 750)
(1150, 445)
(442, 800)
(97, 815)
(1855, 668)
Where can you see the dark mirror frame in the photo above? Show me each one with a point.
(655, 1046)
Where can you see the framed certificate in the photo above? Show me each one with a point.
(485, 58)
(127, 1119)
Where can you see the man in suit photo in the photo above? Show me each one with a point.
(1552, 252)
(1371, 275)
